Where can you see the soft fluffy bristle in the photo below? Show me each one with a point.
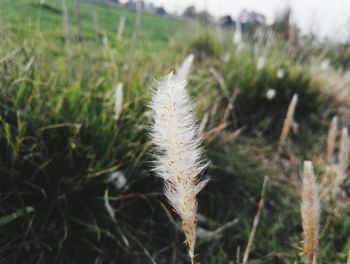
(184, 69)
(178, 153)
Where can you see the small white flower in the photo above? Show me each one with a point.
(118, 179)
(270, 94)
(280, 73)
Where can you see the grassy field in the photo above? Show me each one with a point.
(26, 18)
(61, 145)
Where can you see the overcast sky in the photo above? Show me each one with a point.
(325, 17)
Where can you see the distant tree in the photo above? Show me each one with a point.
(281, 23)
(293, 35)
(227, 21)
(190, 12)
(251, 21)
(252, 17)
(160, 11)
(204, 17)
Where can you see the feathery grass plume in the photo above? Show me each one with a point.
(344, 151)
(288, 121)
(121, 26)
(118, 100)
(184, 69)
(310, 214)
(332, 135)
(179, 157)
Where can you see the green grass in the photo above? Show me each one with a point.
(59, 143)
(26, 18)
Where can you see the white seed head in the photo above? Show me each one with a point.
(118, 100)
(288, 120)
(178, 159)
(280, 73)
(310, 213)
(270, 94)
(237, 37)
(184, 70)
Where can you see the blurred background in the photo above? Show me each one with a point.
(76, 178)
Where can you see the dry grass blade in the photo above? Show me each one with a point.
(310, 213)
(230, 137)
(203, 123)
(108, 206)
(218, 77)
(256, 221)
(288, 121)
(214, 131)
(217, 233)
(230, 107)
(344, 150)
(238, 255)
